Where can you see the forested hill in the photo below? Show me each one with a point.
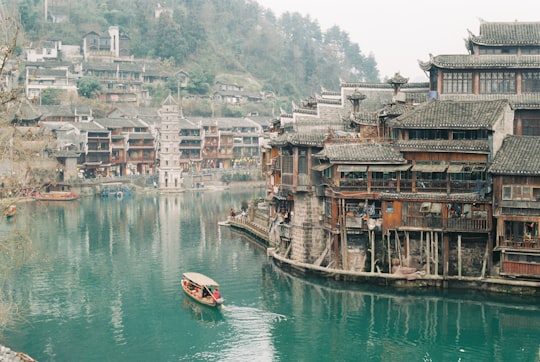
(289, 55)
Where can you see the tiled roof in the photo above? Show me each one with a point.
(298, 139)
(488, 61)
(517, 101)
(88, 126)
(120, 122)
(518, 155)
(24, 110)
(140, 136)
(226, 122)
(453, 115)
(169, 101)
(445, 145)
(361, 153)
(64, 111)
(508, 33)
(412, 86)
(185, 123)
(396, 109)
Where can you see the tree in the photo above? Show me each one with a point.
(51, 96)
(14, 247)
(88, 87)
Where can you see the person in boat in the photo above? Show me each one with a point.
(216, 294)
(205, 292)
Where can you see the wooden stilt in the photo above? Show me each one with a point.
(343, 233)
(428, 254)
(436, 253)
(407, 248)
(389, 253)
(372, 241)
(459, 255)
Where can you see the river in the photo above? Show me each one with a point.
(103, 284)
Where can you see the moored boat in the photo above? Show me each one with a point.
(10, 211)
(56, 196)
(202, 289)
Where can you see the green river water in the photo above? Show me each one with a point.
(103, 284)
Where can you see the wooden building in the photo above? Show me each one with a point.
(432, 209)
(516, 198)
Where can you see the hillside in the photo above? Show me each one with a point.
(289, 56)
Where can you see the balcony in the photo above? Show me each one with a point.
(353, 183)
(451, 224)
(519, 242)
(431, 185)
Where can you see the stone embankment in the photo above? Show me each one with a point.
(7, 355)
(259, 231)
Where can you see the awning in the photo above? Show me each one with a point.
(465, 168)
(321, 167)
(201, 279)
(389, 168)
(479, 168)
(352, 168)
(429, 168)
(455, 168)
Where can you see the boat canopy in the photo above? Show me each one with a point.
(200, 279)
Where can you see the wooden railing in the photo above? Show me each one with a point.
(520, 243)
(438, 222)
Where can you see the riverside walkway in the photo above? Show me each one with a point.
(397, 280)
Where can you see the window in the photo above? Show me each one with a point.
(530, 127)
(328, 173)
(498, 50)
(389, 207)
(428, 134)
(530, 82)
(517, 192)
(530, 50)
(457, 82)
(497, 82)
(475, 134)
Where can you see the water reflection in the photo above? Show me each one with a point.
(108, 273)
(388, 325)
(202, 313)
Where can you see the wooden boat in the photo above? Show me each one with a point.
(115, 189)
(56, 196)
(10, 211)
(202, 289)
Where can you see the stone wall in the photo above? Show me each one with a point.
(307, 234)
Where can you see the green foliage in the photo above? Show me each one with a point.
(88, 87)
(289, 55)
(51, 96)
(226, 178)
(201, 81)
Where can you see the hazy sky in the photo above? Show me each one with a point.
(399, 32)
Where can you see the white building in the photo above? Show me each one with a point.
(170, 169)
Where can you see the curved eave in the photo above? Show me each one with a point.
(514, 172)
(450, 146)
(495, 43)
(482, 62)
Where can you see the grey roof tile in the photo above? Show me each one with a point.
(453, 115)
(299, 139)
(445, 145)
(361, 153)
(508, 33)
(518, 155)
